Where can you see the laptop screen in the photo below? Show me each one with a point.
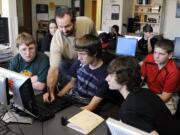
(126, 46)
(176, 53)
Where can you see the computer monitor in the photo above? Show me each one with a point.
(4, 98)
(126, 46)
(23, 94)
(132, 36)
(4, 31)
(120, 128)
(176, 53)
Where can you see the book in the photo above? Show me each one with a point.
(85, 121)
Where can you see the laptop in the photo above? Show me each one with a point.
(37, 107)
(25, 100)
(126, 46)
(119, 128)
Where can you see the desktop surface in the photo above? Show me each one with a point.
(54, 126)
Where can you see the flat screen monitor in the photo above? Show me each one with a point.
(126, 46)
(176, 53)
(23, 94)
(132, 36)
(4, 90)
(4, 31)
(120, 128)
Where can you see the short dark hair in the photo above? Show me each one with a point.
(25, 38)
(90, 44)
(65, 10)
(105, 37)
(127, 70)
(116, 27)
(147, 28)
(166, 45)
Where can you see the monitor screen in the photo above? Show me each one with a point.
(126, 46)
(119, 128)
(4, 31)
(176, 53)
(23, 94)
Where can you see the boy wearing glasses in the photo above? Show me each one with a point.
(29, 62)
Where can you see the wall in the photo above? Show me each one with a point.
(88, 8)
(88, 11)
(98, 14)
(171, 24)
(51, 12)
(107, 22)
(127, 13)
(126, 9)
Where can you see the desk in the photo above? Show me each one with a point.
(54, 127)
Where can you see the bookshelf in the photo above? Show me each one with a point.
(149, 12)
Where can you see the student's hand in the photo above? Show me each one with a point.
(87, 107)
(34, 78)
(154, 133)
(60, 94)
(48, 97)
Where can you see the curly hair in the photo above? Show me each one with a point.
(127, 71)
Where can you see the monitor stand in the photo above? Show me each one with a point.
(14, 116)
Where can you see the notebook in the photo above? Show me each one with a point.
(126, 46)
(85, 121)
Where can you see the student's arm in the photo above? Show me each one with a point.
(165, 97)
(171, 85)
(36, 84)
(93, 103)
(67, 88)
(52, 79)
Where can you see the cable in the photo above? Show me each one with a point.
(18, 125)
(3, 126)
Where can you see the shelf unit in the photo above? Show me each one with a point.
(149, 12)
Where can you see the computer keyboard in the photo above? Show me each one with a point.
(57, 105)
